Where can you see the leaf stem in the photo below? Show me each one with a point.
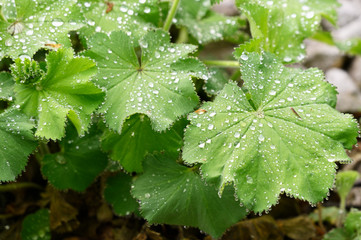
(222, 63)
(183, 35)
(20, 185)
(171, 13)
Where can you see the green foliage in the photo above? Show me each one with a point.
(138, 139)
(29, 25)
(189, 200)
(63, 91)
(149, 86)
(117, 193)
(204, 24)
(103, 16)
(120, 106)
(80, 160)
(273, 138)
(6, 85)
(17, 142)
(351, 230)
(345, 181)
(36, 226)
(280, 27)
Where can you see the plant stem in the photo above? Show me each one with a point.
(341, 212)
(320, 222)
(171, 13)
(183, 35)
(20, 185)
(222, 63)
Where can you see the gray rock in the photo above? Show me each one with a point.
(322, 55)
(349, 96)
(355, 70)
(348, 12)
(348, 31)
(226, 7)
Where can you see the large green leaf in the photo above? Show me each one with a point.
(281, 26)
(30, 24)
(77, 164)
(64, 90)
(133, 17)
(117, 193)
(36, 226)
(174, 194)
(150, 86)
(204, 24)
(17, 142)
(281, 134)
(6, 85)
(138, 139)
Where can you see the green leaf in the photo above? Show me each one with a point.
(29, 25)
(6, 85)
(36, 226)
(353, 221)
(338, 234)
(204, 24)
(345, 181)
(150, 86)
(63, 91)
(281, 135)
(78, 163)
(281, 26)
(17, 142)
(133, 17)
(117, 193)
(138, 139)
(174, 194)
(216, 81)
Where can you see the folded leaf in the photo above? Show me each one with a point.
(65, 90)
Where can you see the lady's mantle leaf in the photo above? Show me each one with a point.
(285, 138)
(149, 86)
(17, 142)
(281, 26)
(138, 139)
(78, 163)
(6, 85)
(30, 24)
(117, 193)
(204, 24)
(64, 90)
(174, 194)
(132, 16)
(36, 226)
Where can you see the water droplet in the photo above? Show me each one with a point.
(57, 22)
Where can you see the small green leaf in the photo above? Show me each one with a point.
(281, 135)
(138, 139)
(78, 163)
(280, 27)
(204, 24)
(63, 91)
(174, 194)
(36, 226)
(149, 86)
(117, 193)
(345, 181)
(6, 85)
(17, 142)
(29, 25)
